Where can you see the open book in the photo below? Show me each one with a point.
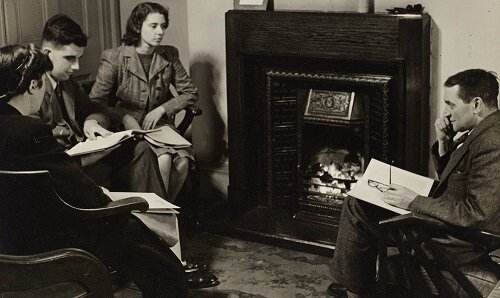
(379, 175)
(156, 203)
(103, 143)
(161, 137)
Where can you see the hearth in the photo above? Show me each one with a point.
(310, 93)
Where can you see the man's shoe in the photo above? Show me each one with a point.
(201, 279)
(337, 290)
(194, 267)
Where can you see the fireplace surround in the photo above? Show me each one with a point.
(274, 60)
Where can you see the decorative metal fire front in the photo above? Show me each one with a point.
(290, 183)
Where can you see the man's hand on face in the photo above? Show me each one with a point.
(444, 133)
(399, 196)
(92, 129)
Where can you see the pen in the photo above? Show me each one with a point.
(390, 173)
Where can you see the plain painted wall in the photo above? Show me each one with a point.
(464, 34)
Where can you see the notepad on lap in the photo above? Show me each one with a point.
(166, 135)
(379, 172)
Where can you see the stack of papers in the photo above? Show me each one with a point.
(167, 136)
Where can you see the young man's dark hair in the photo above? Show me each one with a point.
(62, 30)
(476, 83)
(132, 34)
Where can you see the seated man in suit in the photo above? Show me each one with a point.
(73, 117)
(28, 144)
(467, 195)
(70, 113)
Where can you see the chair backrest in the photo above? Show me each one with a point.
(29, 209)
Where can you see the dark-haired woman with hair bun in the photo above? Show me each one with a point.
(27, 144)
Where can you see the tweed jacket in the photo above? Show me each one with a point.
(78, 106)
(468, 194)
(122, 82)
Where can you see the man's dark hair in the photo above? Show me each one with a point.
(19, 65)
(62, 30)
(132, 35)
(476, 83)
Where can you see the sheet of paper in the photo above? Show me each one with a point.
(156, 203)
(380, 172)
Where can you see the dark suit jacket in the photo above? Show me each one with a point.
(27, 144)
(468, 194)
(78, 106)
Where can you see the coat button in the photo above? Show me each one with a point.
(158, 88)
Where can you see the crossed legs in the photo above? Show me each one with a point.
(356, 248)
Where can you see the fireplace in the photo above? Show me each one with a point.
(290, 162)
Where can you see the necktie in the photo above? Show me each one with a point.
(60, 100)
(458, 142)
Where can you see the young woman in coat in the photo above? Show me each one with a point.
(136, 78)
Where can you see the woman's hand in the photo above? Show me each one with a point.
(152, 118)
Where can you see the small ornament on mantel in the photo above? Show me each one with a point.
(365, 6)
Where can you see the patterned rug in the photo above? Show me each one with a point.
(248, 269)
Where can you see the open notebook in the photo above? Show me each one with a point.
(162, 136)
(379, 175)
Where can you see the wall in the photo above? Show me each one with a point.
(464, 35)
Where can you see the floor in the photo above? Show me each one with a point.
(249, 269)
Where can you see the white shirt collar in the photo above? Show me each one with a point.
(53, 82)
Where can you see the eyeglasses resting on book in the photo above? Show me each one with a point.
(378, 185)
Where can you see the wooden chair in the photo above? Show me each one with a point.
(66, 272)
(27, 200)
(431, 266)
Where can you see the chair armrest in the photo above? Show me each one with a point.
(432, 224)
(191, 112)
(22, 273)
(112, 208)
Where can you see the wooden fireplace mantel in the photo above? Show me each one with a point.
(374, 44)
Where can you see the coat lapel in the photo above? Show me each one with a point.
(133, 63)
(159, 62)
